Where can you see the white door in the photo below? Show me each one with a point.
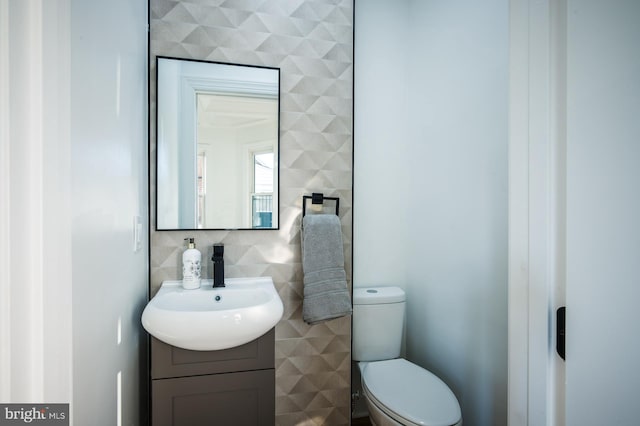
(603, 213)
(574, 212)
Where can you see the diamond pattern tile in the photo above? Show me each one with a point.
(311, 41)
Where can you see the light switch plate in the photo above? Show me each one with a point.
(137, 233)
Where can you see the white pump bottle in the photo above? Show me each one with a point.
(191, 260)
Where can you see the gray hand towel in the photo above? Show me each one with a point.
(326, 295)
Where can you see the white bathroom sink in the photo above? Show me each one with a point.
(210, 318)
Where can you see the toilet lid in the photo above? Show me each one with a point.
(411, 392)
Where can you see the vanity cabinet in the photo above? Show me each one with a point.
(234, 387)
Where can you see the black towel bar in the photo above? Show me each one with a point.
(318, 198)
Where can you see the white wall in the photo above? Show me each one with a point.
(431, 142)
(167, 155)
(74, 168)
(381, 143)
(109, 188)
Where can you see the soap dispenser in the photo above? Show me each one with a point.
(191, 259)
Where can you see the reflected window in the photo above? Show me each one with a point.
(202, 188)
(262, 191)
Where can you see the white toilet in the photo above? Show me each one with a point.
(397, 391)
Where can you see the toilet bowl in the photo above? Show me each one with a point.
(397, 392)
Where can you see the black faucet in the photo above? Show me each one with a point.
(218, 265)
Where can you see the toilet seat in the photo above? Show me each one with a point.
(410, 394)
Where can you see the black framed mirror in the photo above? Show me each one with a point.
(217, 145)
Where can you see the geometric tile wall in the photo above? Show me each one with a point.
(311, 41)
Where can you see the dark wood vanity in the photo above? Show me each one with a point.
(234, 387)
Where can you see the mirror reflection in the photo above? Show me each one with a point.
(217, 145)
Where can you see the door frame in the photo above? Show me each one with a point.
(537, 164)
(35, 212)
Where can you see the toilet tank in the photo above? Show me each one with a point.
(378, 323)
